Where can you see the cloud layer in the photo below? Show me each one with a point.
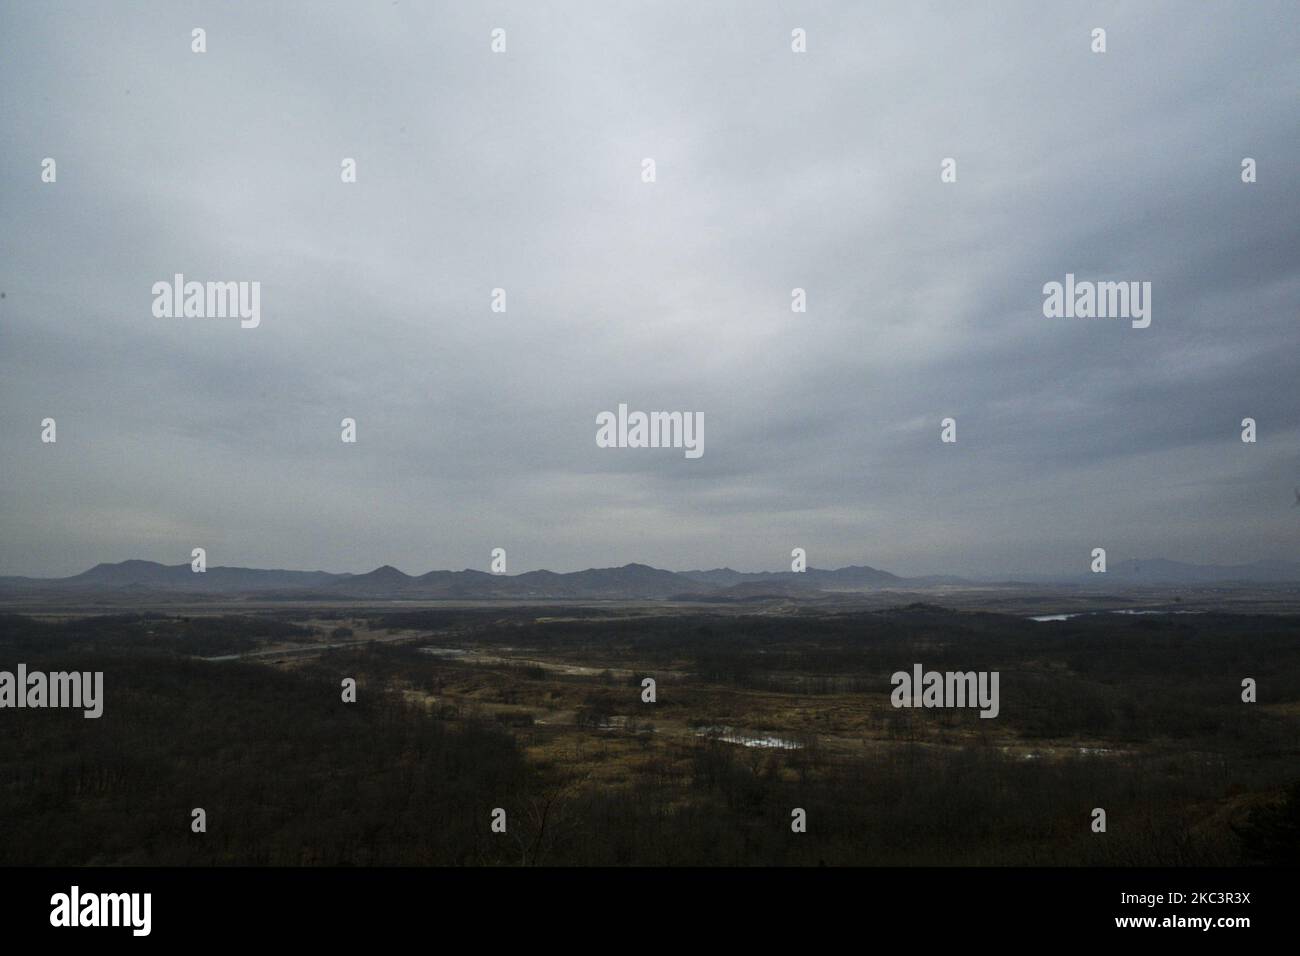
(522, 171)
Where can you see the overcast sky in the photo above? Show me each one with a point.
(522, 170)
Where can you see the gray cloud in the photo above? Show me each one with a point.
(477, 430)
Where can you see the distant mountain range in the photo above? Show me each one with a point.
(630, 582)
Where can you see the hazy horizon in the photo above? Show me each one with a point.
(522, 170)
(1027, 576)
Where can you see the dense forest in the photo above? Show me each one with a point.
(410, 773)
